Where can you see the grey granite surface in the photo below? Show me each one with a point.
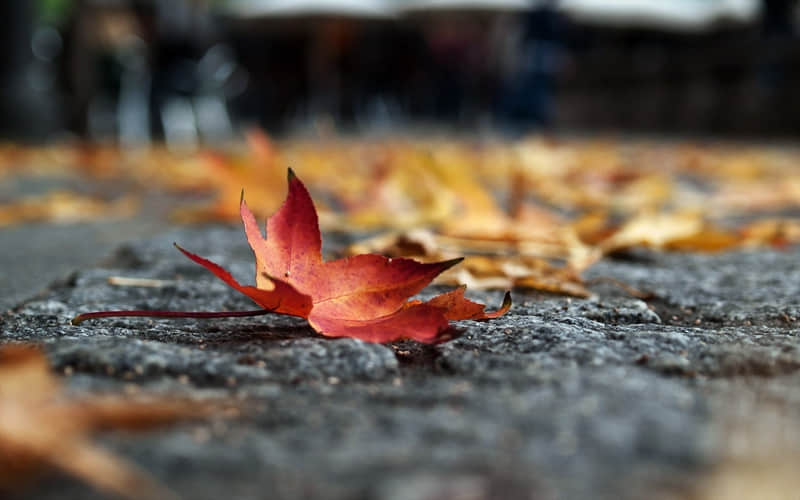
(612, 397)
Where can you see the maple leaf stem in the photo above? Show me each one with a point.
(167, 314)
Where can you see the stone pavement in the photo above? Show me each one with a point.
(681, 396)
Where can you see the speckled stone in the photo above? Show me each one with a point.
(611, 397)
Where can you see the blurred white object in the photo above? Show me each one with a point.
(488, 5)
(213, 120)
(294, 8)
(180, 124)
(688, 15)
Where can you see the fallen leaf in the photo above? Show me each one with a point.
(41, 426)
(226, 175)
(499, 269)
(775, 232)
(671, 231)
(363, 297)
(519, 272)
(65, 207)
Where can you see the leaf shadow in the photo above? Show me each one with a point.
(257, 334)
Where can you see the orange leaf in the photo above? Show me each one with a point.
(459, 307)
(362, 297)
(42, 425)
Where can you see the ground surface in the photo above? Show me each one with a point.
(686, 394)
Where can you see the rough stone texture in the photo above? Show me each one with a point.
(33, 255)
(614, 397)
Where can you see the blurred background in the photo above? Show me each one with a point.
(193, 71)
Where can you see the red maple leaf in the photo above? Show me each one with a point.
(364, 297)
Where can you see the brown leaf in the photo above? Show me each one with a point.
(497, 270)
(687, 231)
(42, 427)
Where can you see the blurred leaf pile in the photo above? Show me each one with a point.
(529, 213)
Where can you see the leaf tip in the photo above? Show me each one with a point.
(504, 307)
(290, 175)
(447, 264)
(506, 301)
(77, 320)
(241, 197)
(182, 250)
